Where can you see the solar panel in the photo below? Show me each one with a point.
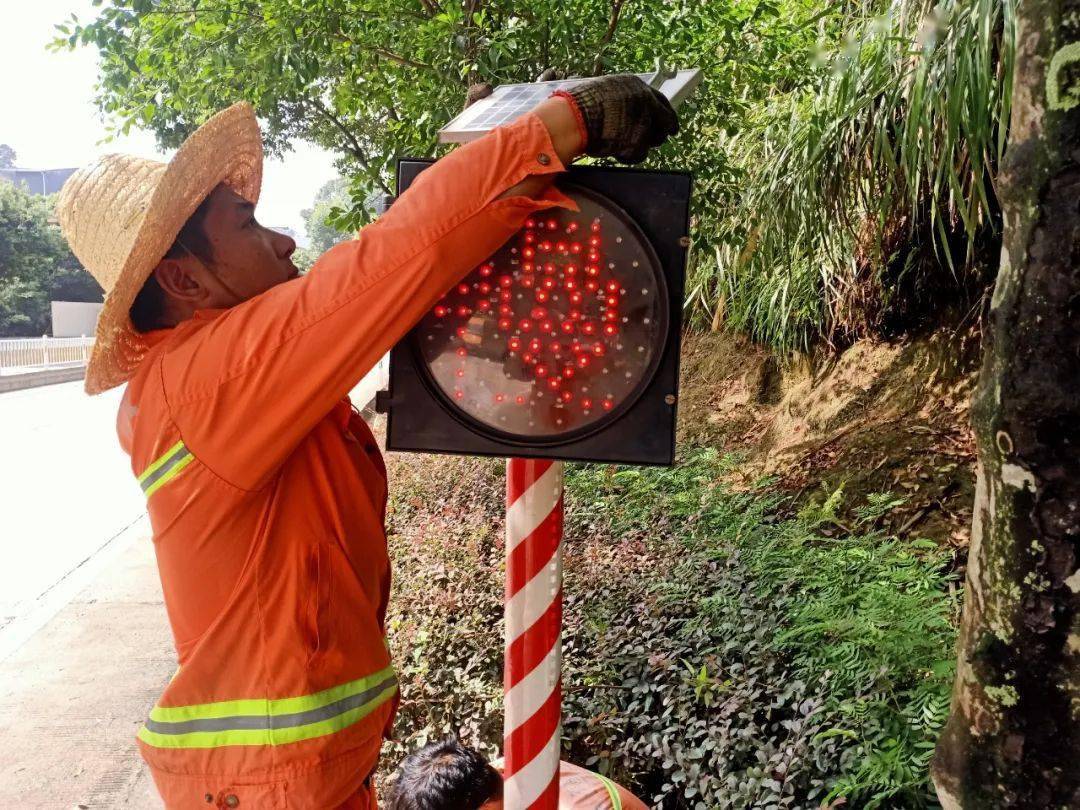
(508, 101)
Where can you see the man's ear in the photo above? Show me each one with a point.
(175, 277)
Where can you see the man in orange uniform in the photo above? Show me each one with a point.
(266, 491)
(446, 775)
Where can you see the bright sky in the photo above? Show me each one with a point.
(48, 117)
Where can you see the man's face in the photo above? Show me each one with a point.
(249, 259)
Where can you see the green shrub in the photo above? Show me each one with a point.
(771, 665)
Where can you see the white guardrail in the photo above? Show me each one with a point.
(26, 354)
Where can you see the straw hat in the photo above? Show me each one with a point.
(121, 215)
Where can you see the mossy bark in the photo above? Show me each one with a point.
(1013, 738)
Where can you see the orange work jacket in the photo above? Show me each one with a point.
(266, 494)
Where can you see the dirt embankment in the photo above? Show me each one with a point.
(878, 418)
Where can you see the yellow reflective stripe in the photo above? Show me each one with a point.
(165, 468)
(170, 475)
(612, 792)
(263, 707)
(161, 460)
(216, 739)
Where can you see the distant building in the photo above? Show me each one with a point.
(37, 181)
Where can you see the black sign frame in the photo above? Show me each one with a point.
(419, 419)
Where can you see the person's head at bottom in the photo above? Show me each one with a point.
(445, 775)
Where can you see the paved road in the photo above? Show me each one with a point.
(66, 490)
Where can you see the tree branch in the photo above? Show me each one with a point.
(355, 149)
(613, 23)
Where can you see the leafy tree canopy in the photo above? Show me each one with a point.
(36, 265)
(375, 80)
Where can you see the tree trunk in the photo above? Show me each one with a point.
(1013, 738)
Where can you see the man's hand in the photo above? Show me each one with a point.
(622, 116)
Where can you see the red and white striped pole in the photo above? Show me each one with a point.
(532, 729)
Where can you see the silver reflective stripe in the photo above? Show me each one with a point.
(169, 464)
(266, 721)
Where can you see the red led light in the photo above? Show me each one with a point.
(557, 319)
(530, 223)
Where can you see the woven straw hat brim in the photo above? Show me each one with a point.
(121, 200)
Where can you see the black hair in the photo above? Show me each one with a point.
(148, 309)
(444, 775)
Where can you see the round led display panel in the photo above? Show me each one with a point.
(556, 333)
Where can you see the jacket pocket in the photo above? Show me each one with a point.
(319, 578)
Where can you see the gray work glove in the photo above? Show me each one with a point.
(624, 117)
